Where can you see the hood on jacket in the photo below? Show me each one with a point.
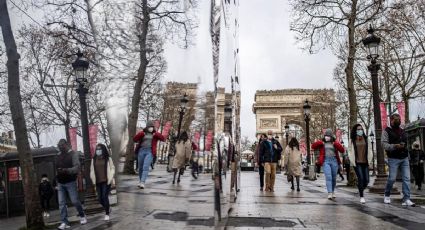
(329, 133)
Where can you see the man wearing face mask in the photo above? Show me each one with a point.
(146, 150)
(394, 141)
(270, 153)
(67, 168)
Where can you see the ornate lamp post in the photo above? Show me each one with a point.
(80, 66)
(372, 141)
(287, 133)
(307, 114)
(371, 42)
(183, 104)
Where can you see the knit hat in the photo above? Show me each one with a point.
(150, 124)
(329, 133)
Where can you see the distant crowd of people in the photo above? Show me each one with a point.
(394, 141)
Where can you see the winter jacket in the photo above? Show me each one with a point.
(352, 154)
(292, 161)
(139, 137)
(391, 137)
(183, 153)
(416, 155)
(109, 167)
(70, 164)
(321, 147)
(45, 189)
(265, 153)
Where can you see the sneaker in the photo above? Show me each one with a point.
(141, 185)
(106, 218)
(329, 196)
(362, 200)
(387, 200)
(333, 195)
(47, 214)
(44, 214)
(83, 220)
(408, 203)
(63, 226)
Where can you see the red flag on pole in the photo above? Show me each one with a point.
(384, 117)
(209, 141)
(92, 138)
(73, 138)
(401, 107)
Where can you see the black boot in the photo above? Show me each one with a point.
(292, 182)
(298, 183)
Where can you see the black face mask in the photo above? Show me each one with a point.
(396, 124)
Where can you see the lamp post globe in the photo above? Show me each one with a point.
(371, 42)
(80, 66)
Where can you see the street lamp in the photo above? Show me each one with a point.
(372, 141)
(371, 42)
(80, 66)
(287, 133)
(307, 114)
(183, 104)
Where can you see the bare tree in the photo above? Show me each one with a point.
(34, 219)
(322, 24)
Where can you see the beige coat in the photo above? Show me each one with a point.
(183, 154)
(110, 172)
(292, 161)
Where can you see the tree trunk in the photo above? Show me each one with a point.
(135, 102)
(33, 210)
(349, 70)
(406, 106)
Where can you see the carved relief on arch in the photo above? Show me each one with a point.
(267, 123)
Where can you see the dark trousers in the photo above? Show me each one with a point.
(45, 203)
(261, 172)
(347, 170)
(362, 172)
(103, 190)
(418, 174)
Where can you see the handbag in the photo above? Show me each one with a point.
(289, 177)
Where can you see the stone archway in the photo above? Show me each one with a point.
(276, 108)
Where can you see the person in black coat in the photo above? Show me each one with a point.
(46, 192)
(270, 153)
(417, 158)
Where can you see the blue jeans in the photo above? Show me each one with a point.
(71, 189)
(362, 172)
(103, 190)
(393, 165)
(330, 168)
(145, 158)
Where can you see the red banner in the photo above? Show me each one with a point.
(166, 130)
(73, 138)
(384, 117)
(92, 138)
(303, 147)
(401, 107)
(13, 174)
(209, 141)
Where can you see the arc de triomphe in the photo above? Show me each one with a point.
(276, 108)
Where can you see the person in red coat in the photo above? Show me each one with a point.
(329, 159)
(147, 140)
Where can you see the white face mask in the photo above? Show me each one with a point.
(98, 152)
(327, 138)
(150, 129)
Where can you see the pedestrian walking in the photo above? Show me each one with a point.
(147, 140)
(329, 159)
(417, 158)
(181, 158)
(67, 168)
(394, 141)
(195, 161)
(102, 173)
(358, 156)
(259, 162)
(270, 154)
(292, 162)
(46, 192)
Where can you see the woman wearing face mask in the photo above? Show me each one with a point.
(102, 175)
(359, 158)
(147, 140)
(329, 159)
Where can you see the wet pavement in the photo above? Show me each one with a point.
(189, 205)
